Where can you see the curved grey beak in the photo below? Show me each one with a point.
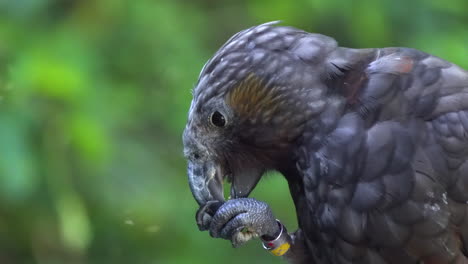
(206, 181)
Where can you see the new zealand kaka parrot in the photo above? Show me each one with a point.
(372, 142)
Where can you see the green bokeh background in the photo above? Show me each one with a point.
(93, 101)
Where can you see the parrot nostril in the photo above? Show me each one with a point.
(196, 156)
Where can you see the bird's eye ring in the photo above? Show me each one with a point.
(218, 119)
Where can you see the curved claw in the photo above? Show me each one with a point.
(205, 214)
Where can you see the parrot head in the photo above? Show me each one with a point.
(250, 105)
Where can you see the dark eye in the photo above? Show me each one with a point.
(218, 119)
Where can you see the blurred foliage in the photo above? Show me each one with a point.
(93, 101)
